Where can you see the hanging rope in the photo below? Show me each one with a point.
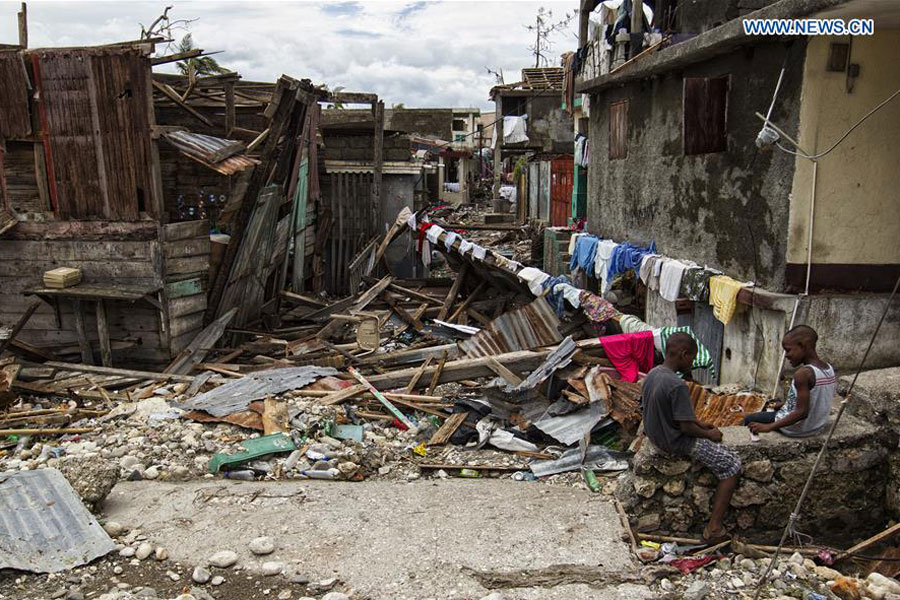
(789, 529)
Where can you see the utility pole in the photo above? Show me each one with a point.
(538, 27)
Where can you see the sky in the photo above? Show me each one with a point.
(419, 54)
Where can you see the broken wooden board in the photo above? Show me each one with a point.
(443, 435)
(196, 351)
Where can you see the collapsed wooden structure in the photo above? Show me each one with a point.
(110, 168)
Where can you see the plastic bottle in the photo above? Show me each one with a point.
(243, 475)
(315, 455)
(292, 460)
(329, 474)
(524, 476)
(591, 480)
(469, 473)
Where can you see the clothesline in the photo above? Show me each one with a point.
(559, 290)
(671, 278)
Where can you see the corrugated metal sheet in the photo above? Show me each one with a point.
(221, 155)
(531, 326)
(572, 427)
(598, 458)
(15, 119)
(95, 110)
(559, 358)
(724, 410)
(44, 527)
(236, 395)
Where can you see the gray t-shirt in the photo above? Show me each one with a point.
(667, 400)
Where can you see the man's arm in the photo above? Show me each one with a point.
(804, 379)
(697, 430)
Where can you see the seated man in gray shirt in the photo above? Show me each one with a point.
(672, 426)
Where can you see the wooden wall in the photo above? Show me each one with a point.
(186, 250)
(123, 253)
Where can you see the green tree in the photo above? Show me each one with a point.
(198, 66)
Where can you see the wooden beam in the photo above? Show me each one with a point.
(197, 350)
(437, 375)
(103, 334)
(442, 435)
(868, 543)
(510, 377)
(64, 366)
(161, 60)
(454, 291)
(401, 312)
(378, 210)
(380, 397)
(169, 93)
(465, 305)
(229, 107)
(414, 380)
(87, 355)
(19, 324)
(23, 26)
(351, 98)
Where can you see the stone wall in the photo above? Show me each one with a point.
(340, 145)
(847, 499)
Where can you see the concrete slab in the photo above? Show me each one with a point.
(426, 539)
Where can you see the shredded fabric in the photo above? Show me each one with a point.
(465, 246)
(571, 293)
(597, 309)
(627, 256)
(584, 253)
(554, 297)
(723, 291)
(411, 222)
(478, 252)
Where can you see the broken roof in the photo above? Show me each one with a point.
(539, 78)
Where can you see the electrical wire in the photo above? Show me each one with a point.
(843, 137)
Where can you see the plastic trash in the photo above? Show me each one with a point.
(469, 473)
(314, 455)
(524, 476)
(329, 474)
(591, 480)
(242, 475)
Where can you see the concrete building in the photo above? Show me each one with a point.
(674, 160)
(543, 137)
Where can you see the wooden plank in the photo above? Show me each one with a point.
(186, 230)
(344, 394)
(187, 305)
(380, 397)
(447, 429)
(199, 348)
(454, 290)
(414, 380)
(188, 247)
(103, 334)
(188, 265)
(87, 354)
(869, 542)
(169, 93)
(181, 325)
(411, 320)
(510, 377)
(125, 372)
(437, 375)
(187, 287)
(19, 325)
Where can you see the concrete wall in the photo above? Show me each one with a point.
(728, 210)
(342, 145)
(697, 16)
(549, 126)
(857, 213)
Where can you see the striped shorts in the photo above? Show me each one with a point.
(718, 458)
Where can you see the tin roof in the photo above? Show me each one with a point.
(221, 155)
(532, 326)
(44, 527)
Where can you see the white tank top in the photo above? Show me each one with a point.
(820, 397)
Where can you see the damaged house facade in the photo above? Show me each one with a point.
(534, 131)
(674, 160)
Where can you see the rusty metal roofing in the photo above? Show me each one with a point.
(724, 410)
(221, 155)
(235, 396)
(44, 527)
(532, 326)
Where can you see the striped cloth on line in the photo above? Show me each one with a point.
(704, 359)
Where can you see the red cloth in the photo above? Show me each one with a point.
(423, 227)
(686, 565)
(630, 353)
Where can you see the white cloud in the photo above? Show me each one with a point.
(415, 53)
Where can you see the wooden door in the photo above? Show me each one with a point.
(562, 180)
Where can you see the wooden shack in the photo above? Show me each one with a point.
(95, 150)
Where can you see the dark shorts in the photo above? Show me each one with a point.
(760, 417)
(718, 458)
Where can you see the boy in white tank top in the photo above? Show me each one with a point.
(806, 409)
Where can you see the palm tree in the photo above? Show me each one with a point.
(199, 65)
